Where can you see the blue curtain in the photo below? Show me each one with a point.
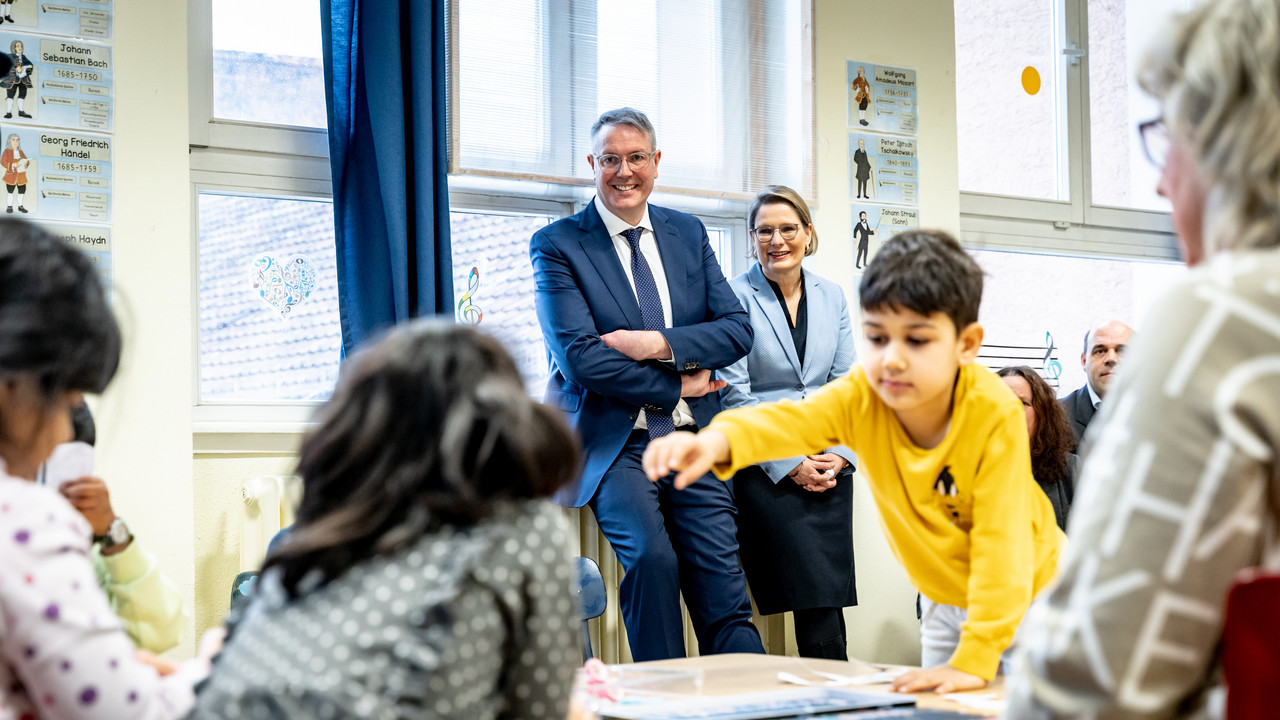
(384, 71)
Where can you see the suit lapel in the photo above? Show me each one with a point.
(776, 316)
(669, 250)
(598, 246)
(1086, 405)
(1084, 408)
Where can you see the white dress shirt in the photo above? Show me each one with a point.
(1093, 395)
(615, 226)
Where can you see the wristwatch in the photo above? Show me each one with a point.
(117, 534)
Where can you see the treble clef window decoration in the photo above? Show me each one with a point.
(1051, 368)
(468, 312)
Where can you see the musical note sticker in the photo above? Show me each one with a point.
(469, 312)
(1052, 368)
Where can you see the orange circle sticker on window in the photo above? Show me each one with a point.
(1030, 80)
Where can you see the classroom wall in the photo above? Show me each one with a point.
(916, 34)
(185, 505)
(144, 419)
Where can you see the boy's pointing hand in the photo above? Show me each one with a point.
(691, 455)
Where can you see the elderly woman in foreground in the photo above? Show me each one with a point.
(1179, 493)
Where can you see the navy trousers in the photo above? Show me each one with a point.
(671, 540)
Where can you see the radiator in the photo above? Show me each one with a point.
(269, 504)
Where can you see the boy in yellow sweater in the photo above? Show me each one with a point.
(943, 444)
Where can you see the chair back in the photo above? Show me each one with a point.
(591, 599)
(1251, 646)
(242, 586)
(590, 589)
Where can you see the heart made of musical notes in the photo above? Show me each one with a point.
(283, 285)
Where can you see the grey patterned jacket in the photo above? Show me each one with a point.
(468, 623)
(1178, 493)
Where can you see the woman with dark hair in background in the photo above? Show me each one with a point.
(63, 652)
(1052, 462)
(426, 575)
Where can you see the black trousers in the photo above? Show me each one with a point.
(820, 633)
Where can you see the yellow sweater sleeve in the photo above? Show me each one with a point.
(1002, 555)
(144, 599)
(787, 427)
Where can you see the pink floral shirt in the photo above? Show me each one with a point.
(63, 653)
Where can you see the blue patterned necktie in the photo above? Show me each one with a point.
(651, 310)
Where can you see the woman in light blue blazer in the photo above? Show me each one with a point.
(795, 515)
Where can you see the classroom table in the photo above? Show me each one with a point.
(749, 673)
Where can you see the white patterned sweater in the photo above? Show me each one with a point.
(1179, 492)
(63, 652)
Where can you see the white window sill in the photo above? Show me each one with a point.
(266, 429)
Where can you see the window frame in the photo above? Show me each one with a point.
(253, 160)
(1076, 226)
(220, 416)
(208, 131)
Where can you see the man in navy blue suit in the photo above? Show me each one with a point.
(636, 315)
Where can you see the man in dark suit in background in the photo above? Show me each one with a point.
(636, 314)
(1103, 349)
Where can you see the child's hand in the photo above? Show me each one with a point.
(693, 455)
(941, 679)
(162, 666)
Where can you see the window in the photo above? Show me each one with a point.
(493, 281)
(254, 87)
(727, 83)
(269, 327)
(1009, 139)
(1118, 32)
(263, 75)
(1034, 301)
(261, 188)
(1047, 108)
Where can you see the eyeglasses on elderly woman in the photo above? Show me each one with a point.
(1155, 141)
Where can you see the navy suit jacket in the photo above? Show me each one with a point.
(1079, 407)
(582, 293)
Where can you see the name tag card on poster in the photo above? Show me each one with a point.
(57, 176)
(56, 82)
(72, 18)
(874, 225)
(884, 168)
(94, 240)
(881, 98)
